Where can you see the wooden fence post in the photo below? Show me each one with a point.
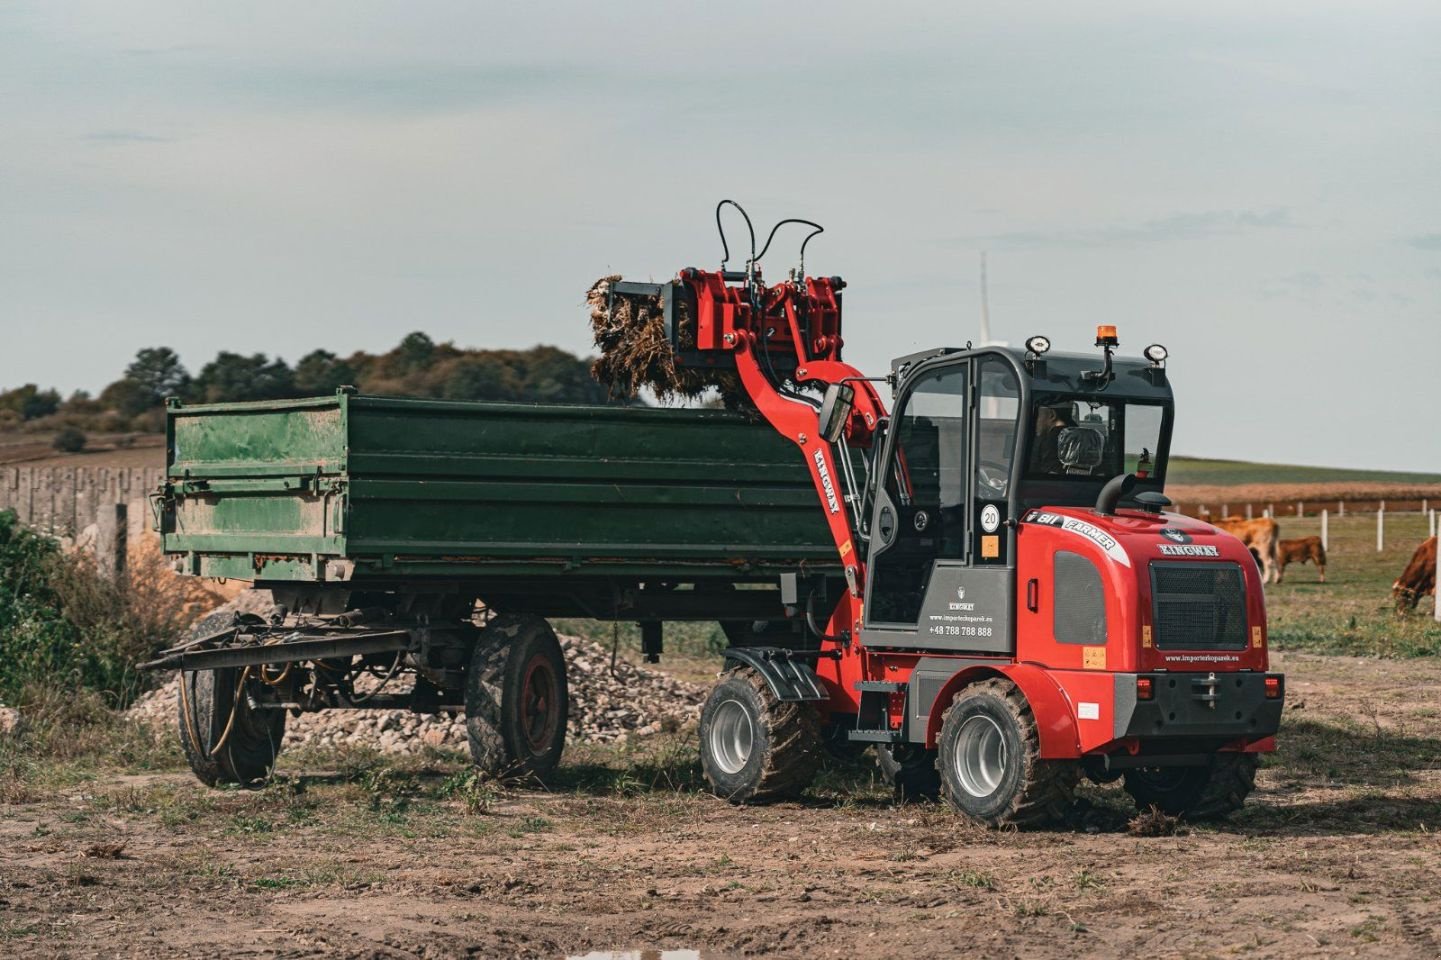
(1381, 528)
(1248, 511)
(1341, 509)
(112, 542)
(1325, 533)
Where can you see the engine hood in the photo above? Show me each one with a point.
(1134, 537)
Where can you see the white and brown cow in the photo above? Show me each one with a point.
(1262, 537)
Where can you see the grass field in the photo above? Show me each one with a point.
(1353, 611)
(1201, 471)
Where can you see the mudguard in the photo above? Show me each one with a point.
(788, 679)
(1055, 719)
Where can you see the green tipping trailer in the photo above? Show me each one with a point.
(381, 526)
(361, 491)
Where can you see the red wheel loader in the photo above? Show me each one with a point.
(1020, 610)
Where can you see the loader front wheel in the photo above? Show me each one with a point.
(753, 746)
(1197, 793)
(225, 741)
(990, 763)
(516, 699)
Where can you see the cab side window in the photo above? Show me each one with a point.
(1000, 405)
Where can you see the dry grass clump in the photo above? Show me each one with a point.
(635, 352)
(1153, 822)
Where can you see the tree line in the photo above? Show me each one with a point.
(416, 367)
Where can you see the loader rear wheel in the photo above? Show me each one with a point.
(226, 742)
(910, 770)
(516, 699)
(753, 746)
(1198, 793)
(990, 763)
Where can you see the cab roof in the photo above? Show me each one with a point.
(1133, 377)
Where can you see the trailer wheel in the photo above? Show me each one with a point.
(224, 740)
(989, 759)
(516, 701)
(1198, 793)
(754, 747)
(910, 770)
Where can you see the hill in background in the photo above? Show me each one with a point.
(1201, 471)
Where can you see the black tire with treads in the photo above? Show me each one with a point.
(247, 754)
(1029, 791)
(1198, 793)
(785, 741)
(911, 771)
(516, 699)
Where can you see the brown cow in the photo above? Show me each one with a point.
(1262, 536)
(1418, 579)
(1305, 550)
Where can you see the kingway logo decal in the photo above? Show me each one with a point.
(1091, 532)
(831, 502)
(1187, 550)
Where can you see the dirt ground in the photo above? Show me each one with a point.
(113, 451)
(1337, 855)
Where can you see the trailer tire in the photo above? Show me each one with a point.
(910, 770)
(989, 759)
(1197, 793)
(516, 699)
(753, 746)
(210, 715)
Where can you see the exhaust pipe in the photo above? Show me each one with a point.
(1111, 494)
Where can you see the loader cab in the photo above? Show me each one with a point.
(976, 438)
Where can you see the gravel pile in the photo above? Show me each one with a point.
(605, 706)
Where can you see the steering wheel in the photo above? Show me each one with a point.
(994, 477)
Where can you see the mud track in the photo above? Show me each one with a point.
(1336, 856)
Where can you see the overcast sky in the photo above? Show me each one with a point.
(1253, 184)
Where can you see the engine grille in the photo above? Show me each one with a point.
(1198, 606)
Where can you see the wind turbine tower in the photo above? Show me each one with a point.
(986, 339)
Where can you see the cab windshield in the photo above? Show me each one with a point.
(1089, 437)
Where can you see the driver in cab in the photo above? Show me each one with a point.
(1045, 451)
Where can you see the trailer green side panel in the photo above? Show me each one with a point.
(352, 487)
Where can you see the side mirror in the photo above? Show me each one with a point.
(836, 410)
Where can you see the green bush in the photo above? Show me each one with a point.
(69, 440)
(63, 627)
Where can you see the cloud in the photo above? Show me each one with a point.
(1172, 227)
(124, 136)
(1427, 241)
(1293, 285)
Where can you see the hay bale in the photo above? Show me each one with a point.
(635, 352)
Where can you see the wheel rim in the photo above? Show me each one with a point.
(731, 737)
(980, 759)
(539, 703)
